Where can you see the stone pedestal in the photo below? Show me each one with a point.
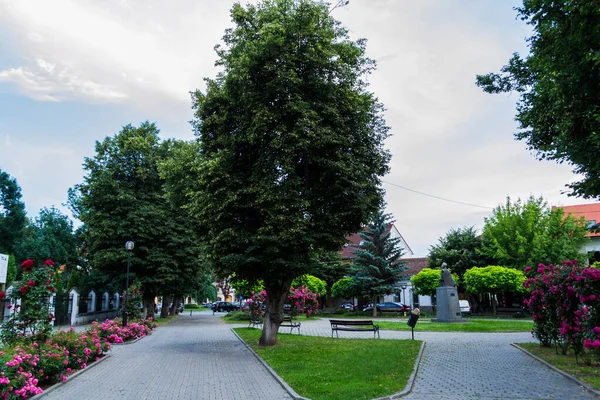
(448, 309)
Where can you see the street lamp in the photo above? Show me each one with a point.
(404, 294)
(129, 247)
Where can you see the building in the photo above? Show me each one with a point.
(591, 213)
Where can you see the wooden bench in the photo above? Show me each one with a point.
(288, 323)
(353, 325)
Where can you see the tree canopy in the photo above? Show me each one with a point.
(291, 146)
(49, 236)
(376, 267)
(494, 279)
(12, 213)
(558, 84)
(519, 234)
(121, 199)
(427, 281)
(460, 249)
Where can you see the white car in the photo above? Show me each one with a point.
(465, 307)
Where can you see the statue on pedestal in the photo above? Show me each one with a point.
(446, 278)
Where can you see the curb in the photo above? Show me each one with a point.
(287, 387)
(72, 376)
(560, 371)
(296, 396)
(411, 379)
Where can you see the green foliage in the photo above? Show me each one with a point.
(291, 144)
(12, 213)
(517, 235)
(31, 321)
(206, 289)
(122, 198)
(558, 84)
(345, 288)
(49, 236)
(460, 249)
(427, 281)
(494, 279)
(11, 273)
(312, 283)
(244, 288)
(375, 266)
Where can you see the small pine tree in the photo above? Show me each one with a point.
(376, 265)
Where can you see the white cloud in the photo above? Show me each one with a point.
(45, 82)
(449, 138)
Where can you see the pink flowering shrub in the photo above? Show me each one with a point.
(255, 310)
(564, 303)
(303, 301)
(27, 368)
(113, 332)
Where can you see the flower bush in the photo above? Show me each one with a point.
(31, 320)
(303, 301)
(132, 305)
(565, 305)
(255, 304)
(26, 368)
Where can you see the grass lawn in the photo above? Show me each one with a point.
(566, 363)
(322, 368)
(475, 325)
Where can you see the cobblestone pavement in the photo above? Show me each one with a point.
(198, 357)
(193, 358)
(458, 365)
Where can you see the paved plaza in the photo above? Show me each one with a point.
(198, 357)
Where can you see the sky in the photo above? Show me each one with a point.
(73, 72)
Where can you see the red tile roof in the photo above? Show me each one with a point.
(591, 212)
(414, 265)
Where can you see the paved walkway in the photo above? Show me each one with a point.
(190, 358)
(198, 357)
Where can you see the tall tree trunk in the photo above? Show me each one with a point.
(164, 312)
(176, 301)
(148, 300)
(277, 294)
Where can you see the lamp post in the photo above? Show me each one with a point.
(129, 247)
(403, 294)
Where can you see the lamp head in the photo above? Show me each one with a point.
(129, 245)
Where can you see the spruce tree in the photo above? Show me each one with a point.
(376, 266)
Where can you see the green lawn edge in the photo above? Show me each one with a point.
(322, 368)
(565, 364)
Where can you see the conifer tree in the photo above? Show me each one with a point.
(376, 265)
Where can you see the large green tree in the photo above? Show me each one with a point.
(376, 266)
(518, 234)
(49, 236)
(13, 218)
(291, 146)
(121, 199)
(558, 84)
(460, 249)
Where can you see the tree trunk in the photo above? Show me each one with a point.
(493, 298)
(176, 301)
(276, 297)
(164, 312)
(148, 300)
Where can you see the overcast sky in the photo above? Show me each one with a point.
(75, 71)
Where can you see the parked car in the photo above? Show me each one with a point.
(388, 306)
(465, 307)
(222, 306)
(348, 306)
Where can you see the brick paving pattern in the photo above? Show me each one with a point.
(191, 358)
(198, 357)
